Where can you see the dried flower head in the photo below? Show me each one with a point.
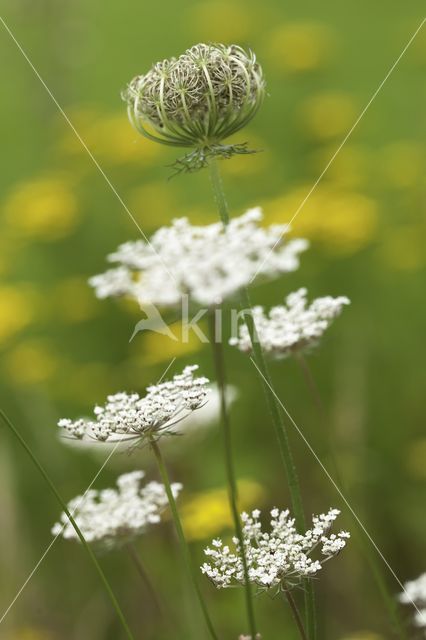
(278, 559)
(415, 592)
(113, 517)
(209, 263)
(197, 100)
(127, 417)
(292, 327)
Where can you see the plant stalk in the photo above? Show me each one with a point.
(275, 409)
(219, 362)
(181, 536)
(131, 549)
(296, 615)
(218, 191)
(311, 384)
(65, 509)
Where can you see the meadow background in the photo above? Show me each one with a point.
(62, 350)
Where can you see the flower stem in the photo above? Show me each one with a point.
(285, 450)
(311, 384)
(274, 407)
(181, 536)
(219, 362)
(144, 576)
(64, 507)
(218, 191)
(296, 615)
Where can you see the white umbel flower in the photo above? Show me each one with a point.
(292, 327)
(208, 263)
(276, 559)
(129, 417)
(415, 592)
(113, 517)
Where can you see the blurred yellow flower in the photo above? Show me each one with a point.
(342, 221)
(327, 115)
(30, 633)
(218, 21)
(109, 137)
(402, 248)
(207, 514)
(299, 47)
(416, 458)
(403, 164)
(17, 311)
(73, 300)
(31, 362)
(44, 208)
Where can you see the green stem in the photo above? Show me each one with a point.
(311, 385)
(285, 449)
(64, 507)
(390, 602)
(274, 407)
(387, 597)
(181, 536)
(219, 362)
(218, 192)
(296, 615)
(144, 576)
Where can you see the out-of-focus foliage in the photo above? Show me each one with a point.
(62, 350)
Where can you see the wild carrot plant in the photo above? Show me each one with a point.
(197, 100)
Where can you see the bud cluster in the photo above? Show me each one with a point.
(198, 99)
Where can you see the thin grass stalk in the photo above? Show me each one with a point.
(131, 550)
(387, 596)
(65, 509)
(275, 410)
(181, 536)
(219, 362)
(311, 384)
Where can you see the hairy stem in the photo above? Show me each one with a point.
(219, 362)
(296, 615)
(274, 407)
(181, 536)
(65, 509)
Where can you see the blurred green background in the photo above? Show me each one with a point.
(62, 350)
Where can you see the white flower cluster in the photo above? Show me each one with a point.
(209, 263)
(276, 559)
(209, 414)
(415, 592)
(293, 327)
(130, 417)
(113, 517)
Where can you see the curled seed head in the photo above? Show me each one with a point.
(198, 99)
